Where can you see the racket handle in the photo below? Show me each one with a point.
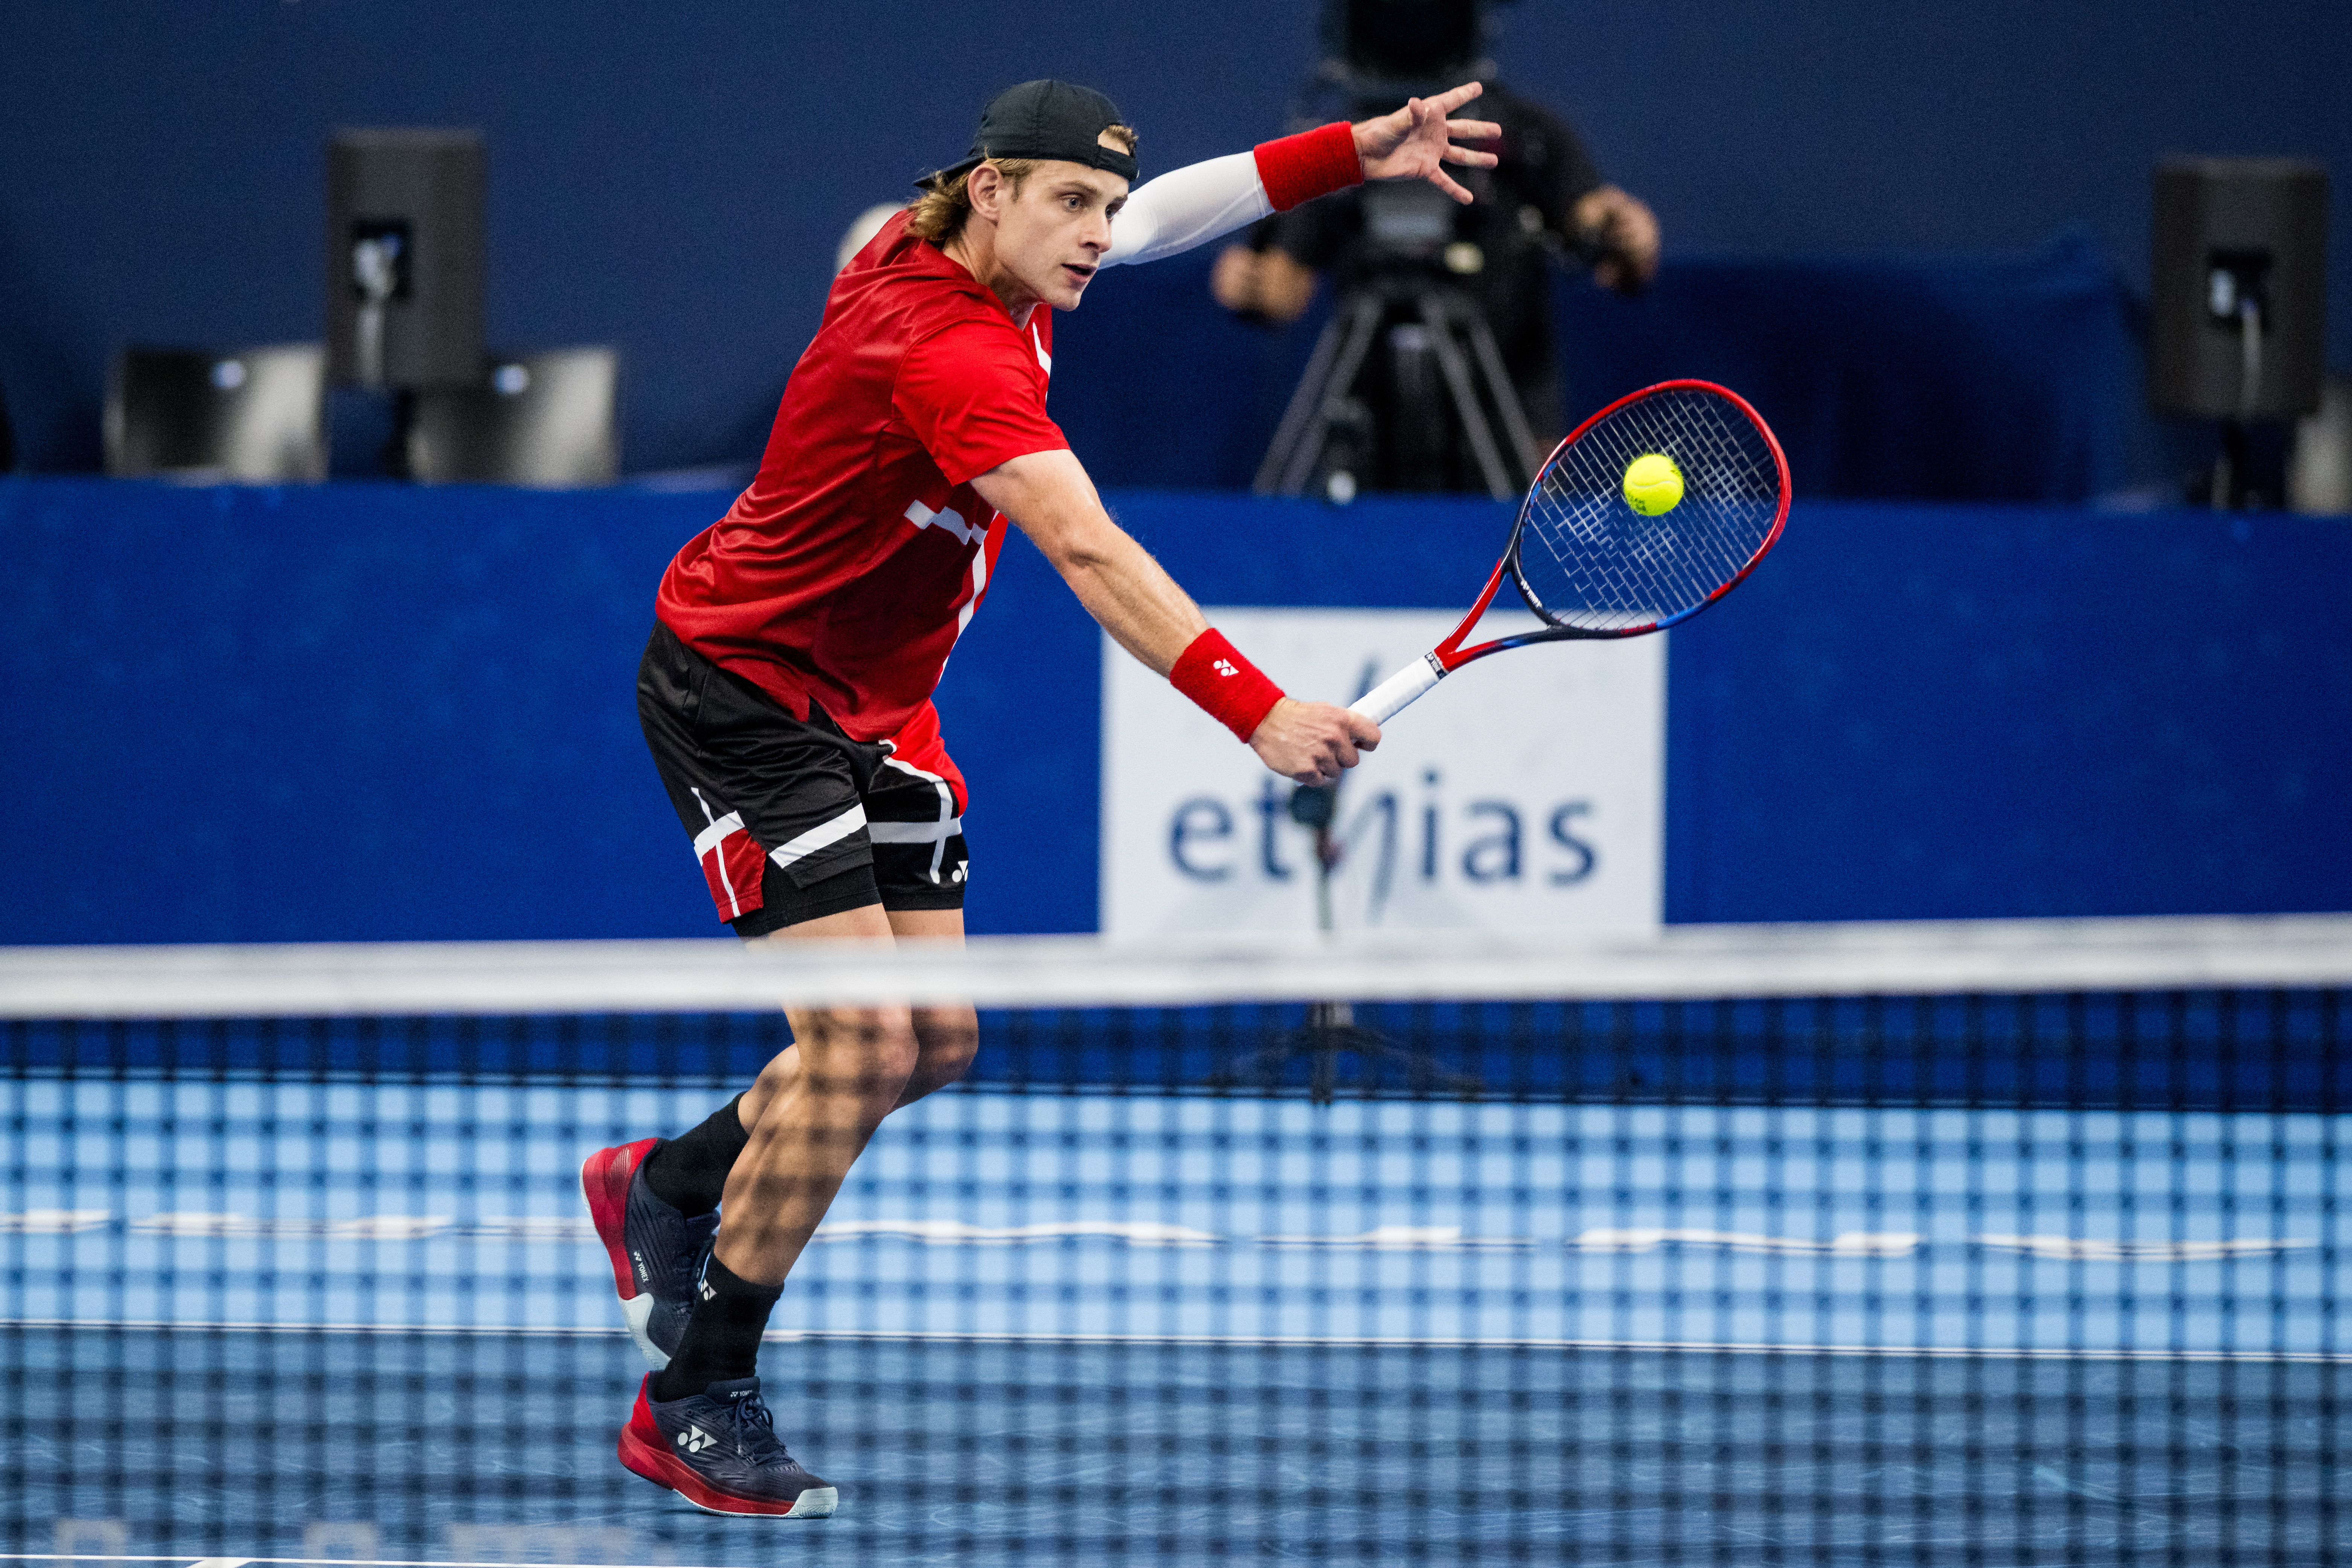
(1392, 696)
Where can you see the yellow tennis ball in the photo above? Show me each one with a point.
(1653, 486)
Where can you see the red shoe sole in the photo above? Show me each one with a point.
(657, 1464)
(604, 1178)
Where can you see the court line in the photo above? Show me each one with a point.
(1243, 1341)
(339, 1561)
(1641, 1240)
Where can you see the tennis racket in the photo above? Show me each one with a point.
(1591, 566)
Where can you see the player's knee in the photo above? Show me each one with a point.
(949, 1038)
(867, 1053)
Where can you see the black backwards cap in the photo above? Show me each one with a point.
(1048, 119)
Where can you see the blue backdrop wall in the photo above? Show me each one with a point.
(360, 712)
(672, 179)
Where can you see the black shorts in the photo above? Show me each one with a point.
(792, 820)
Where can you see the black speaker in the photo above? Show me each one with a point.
(2239, 287)
(254, 416)
(405, 260)
(547, 419)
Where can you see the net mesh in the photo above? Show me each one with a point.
(1587, 560)
(1865, 1274)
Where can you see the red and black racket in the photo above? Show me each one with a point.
(1587, 557)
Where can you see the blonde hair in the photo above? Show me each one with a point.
(946, 203)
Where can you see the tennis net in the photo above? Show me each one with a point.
(1971, 1244)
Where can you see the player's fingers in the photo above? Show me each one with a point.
(1444, 182)
(1473, 129)
(1362, 731)
(1455, 98)
(1475, 160)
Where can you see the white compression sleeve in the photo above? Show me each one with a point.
(1188, 206)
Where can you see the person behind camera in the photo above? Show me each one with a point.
(1545, 198)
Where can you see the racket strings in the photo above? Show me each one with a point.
(1633, 569)
(1627, 569)
(1590, 562)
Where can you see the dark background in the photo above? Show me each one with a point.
(672, 178)
(1914, 234)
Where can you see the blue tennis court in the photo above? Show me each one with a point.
(1826, 1276)
(488, 1447)
(441, 1207)
(367, 1320)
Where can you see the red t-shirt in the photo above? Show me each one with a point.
(844, 575)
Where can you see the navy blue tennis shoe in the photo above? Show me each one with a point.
(718, 1450)
(657, 1251)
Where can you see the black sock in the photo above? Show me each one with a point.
(689, 1172)
(722, 1338)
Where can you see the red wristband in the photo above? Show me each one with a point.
(1229, 687)
(1312, 164)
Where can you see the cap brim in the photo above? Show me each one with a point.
(940, 177)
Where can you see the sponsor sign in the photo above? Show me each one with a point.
(1525, 793)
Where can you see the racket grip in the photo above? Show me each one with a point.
(1392, 696)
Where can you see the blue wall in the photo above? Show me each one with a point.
(1981, 378)
(673, 178)
(361, 711)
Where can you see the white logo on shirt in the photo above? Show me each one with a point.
(952, 521)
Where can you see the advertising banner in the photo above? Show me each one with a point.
(1525, 793)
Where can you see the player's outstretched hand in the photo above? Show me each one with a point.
(1416, 142)
(1312, 743)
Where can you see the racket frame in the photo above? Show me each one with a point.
(1385, 700)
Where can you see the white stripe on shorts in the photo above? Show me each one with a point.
(950, 823)
(915, 832)
(819, 837)
(719, 831)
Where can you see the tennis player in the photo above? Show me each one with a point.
(786, 692)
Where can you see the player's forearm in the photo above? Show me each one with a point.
(1048, 497)
(1133, 597)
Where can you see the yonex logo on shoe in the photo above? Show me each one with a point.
(694, 1439)
(1225, 667)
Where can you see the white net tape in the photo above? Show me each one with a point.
(1887, 957)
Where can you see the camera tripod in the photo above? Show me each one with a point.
(1478, 393)
(1330, 1027)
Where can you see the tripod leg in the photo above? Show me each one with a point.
(1363, 325)
(1305, 400)
(1506, 395)
(1465, 398)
